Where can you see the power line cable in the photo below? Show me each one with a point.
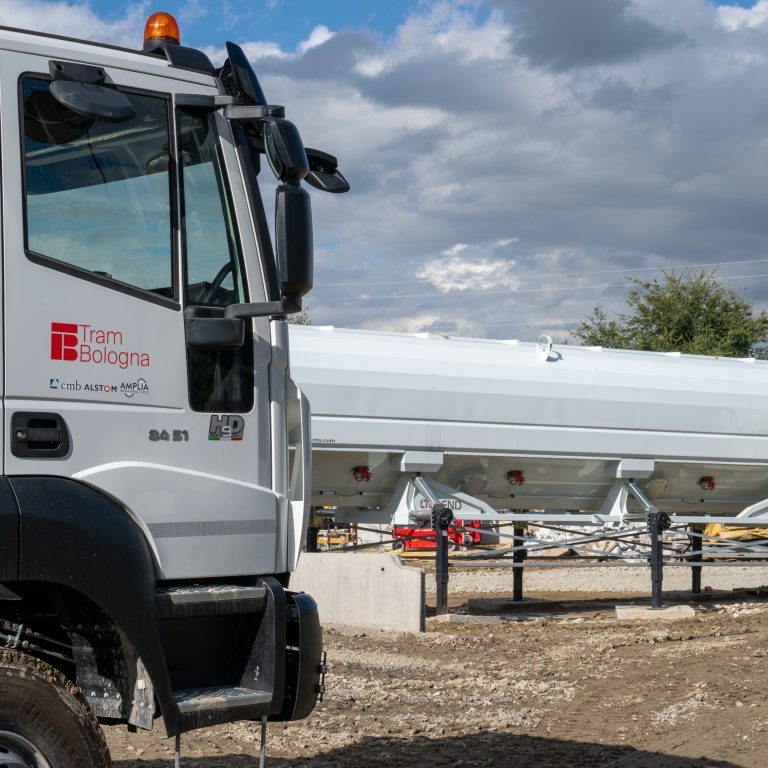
(458, 294)
(564, 274)
(445, 328)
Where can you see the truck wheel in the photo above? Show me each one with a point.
(44, 720)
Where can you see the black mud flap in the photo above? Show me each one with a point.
(304, 664)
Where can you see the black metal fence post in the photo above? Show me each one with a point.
(312, 534)
(517, 557)
(697, 542)
(658, 522)
(441, 521)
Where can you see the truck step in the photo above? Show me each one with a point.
(221, 697)
(210, 600)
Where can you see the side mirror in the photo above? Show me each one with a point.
(82, 88)
(94, 102)
(211, 328)
(293, 241)
(284, 149)
(293, 235)
(324, 172)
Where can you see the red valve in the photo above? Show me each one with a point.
(515, 477)
(361, 474)
(707, 483)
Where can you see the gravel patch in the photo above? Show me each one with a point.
(551, 692)
(598, 579)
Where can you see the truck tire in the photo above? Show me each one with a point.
(44, 720)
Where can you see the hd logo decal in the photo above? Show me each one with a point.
(226, 428)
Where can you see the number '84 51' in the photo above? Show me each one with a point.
(175, 435)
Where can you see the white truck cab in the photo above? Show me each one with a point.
(154, 496)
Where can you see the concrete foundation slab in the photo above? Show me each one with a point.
(463, 618)
(643, 613)
(363, 590)
(491, 605)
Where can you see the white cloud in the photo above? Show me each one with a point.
(191, 11)
(456, 272)
(77, 20)
(453, 28)
(448, 28)
(347, 123)
(317, 36)
(256, 50)
(407, 324)
(733, 17)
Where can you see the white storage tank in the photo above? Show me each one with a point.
(523, 425)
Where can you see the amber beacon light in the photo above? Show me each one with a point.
(161, 28)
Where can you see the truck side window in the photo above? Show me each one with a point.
(219, 380)
(98, 195)
(213, 275)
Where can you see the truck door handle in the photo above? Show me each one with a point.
(39, 435)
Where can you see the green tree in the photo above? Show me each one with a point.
(691, 312)
(300, 318)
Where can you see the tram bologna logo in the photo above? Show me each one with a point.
(80, 342)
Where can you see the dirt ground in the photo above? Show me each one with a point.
(566, 688)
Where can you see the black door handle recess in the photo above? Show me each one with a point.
(39, 435)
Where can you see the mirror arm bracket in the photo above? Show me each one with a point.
(83, 73)
(259, 309)
(203, 102)
(252, 114)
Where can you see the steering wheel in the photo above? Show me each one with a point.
(208, 294)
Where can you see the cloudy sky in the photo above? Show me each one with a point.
(511, 161)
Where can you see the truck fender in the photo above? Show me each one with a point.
(73, 535)
(9, 533)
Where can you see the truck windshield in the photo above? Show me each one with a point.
(98, 195)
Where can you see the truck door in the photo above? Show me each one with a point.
(112, 232)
